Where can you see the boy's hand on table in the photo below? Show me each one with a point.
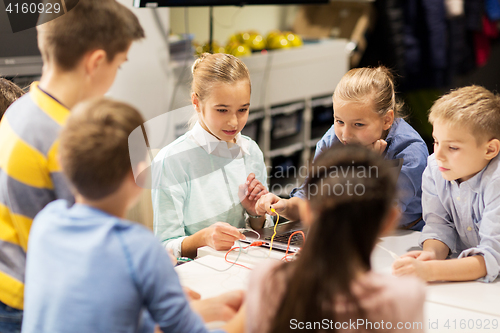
(221, 236)
(220, 308)
(420, 255)
(410, 266)
(265, 202)
(250, 192)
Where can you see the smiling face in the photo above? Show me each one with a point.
(225, 112)
(358, 123)
(458, 153)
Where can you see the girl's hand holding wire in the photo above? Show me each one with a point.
(265, 202)
(250, 192)
(221, 236)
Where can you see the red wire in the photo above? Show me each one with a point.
(289, 240)
(231, 262)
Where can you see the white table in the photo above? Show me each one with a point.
(449, 307)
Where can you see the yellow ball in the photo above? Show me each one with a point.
(256, 42)
(294, 39)
(241, 50)
(278, 42)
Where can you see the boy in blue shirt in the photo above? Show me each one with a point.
(88, 269)
(461, 191)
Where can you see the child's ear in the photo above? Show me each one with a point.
(492, 148)
(142, 174)
(388, 119)
(93, 60)
(196, 102)
(391, 221)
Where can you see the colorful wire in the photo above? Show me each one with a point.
(275, 225)
(289, 240)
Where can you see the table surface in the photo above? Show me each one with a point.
(449, 306)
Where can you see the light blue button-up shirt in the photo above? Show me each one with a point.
(465, 216)
(195, 184)
(402, 142)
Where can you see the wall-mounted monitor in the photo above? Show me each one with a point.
(19, 54)
(188, 3)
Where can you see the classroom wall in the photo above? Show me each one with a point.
(230, 19)
(144, 81)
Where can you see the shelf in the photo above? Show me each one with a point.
(277, 144)
(255, 115)
(286, 151)
(283, 186)
(319, 131)
(313, 142)
(322, 101)
(287, 109)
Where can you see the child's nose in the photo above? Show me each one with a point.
(438, 152)
(346, 134)
(233, 121)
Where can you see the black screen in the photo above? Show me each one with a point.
(187, 3)
(19, 44)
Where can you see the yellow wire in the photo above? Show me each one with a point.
(275, 225)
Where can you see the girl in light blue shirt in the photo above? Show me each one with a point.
(366, 112)
(206, 182)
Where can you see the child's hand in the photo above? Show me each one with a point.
(250, 192)
(420, 255)
(379, 146)
(191, 295)
(173, 259)
(265, 202)
(220, 308)
(221, 236)
(411, 266)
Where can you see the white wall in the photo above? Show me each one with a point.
(144, 81)
(230, 19)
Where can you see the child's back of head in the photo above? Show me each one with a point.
(9, 92)
(94, 148)
(90, 25)
(350, 191)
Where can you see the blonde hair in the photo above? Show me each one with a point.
(9, 93)
(474, 107)
(90, 25)
(212, 69)
(370, 85)
(94, 147)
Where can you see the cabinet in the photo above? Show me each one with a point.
(290, 106)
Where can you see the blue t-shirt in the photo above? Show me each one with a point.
(88, 271)
(402, 142)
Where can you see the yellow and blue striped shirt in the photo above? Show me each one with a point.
(30, 178)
